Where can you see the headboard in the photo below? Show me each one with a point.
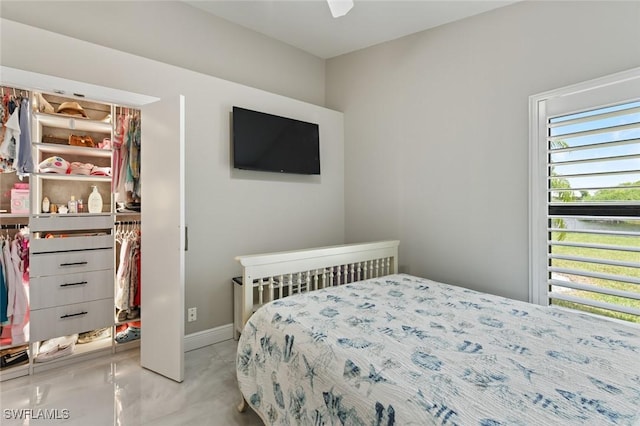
(276, 275)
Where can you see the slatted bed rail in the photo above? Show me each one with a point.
(277, 275)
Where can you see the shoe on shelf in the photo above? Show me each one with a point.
(93, 335)
(133, 313)
(131, 333)
(122, 315)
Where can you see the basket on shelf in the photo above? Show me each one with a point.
(53, 139)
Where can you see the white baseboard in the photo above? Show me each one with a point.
(208, 337)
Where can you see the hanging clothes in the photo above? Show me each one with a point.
(25, 160)
(122, 278)
(4, 295)
(124, 160)
(15, 313)
(127, 298)
(117, 154)
(132, 183)
(10, 143)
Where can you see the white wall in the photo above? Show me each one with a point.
(228, 212)
(179, 34)
(436, 131)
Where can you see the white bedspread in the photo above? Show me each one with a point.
(401, 350)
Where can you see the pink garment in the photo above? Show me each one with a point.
(124, 157)
(122, 299)
(117, 158)
(21, 299)
(120, 158)
(24, 255)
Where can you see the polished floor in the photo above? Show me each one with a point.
(117, 391)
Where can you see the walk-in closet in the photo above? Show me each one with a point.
(72, 237)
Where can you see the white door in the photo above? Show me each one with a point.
(163, 237)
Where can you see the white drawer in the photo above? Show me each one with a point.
(70, 319)
(68, 222)
(70, 262)
(72, 242)
(56, 290)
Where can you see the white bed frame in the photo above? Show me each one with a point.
(276, 275)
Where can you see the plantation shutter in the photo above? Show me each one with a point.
(593, 209)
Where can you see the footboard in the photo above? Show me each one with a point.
(271, 276)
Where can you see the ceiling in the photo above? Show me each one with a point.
(308, 24)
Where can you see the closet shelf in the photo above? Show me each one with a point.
(13, 345)
(59, 149)
(127, 216)
(73, 123)
(82, 352)
(72, 178)
(18, 218)
(14, 372)
(47, 222)
(41, 215)
(127, 345)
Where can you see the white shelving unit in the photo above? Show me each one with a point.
(72, 255)
(75, 123)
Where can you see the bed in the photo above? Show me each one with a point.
(395, 349)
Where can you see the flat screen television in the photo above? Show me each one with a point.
(272, 143)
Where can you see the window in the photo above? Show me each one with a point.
(585, 197)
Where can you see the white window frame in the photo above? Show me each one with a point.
(612, 89)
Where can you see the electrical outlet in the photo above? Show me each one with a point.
(192, 314)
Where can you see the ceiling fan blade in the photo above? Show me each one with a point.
(339, 7)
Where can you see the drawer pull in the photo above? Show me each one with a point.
(74, 263)
(78, 283)
(73, 315)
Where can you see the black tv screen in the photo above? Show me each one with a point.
(272, 143)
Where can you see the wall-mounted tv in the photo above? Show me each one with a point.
(272, 143)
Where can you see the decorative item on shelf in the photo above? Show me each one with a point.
(45, 205)
(85, 141)
(73, 205)
(95, 201)
(80, 205)
(62, 209)
(71, 108)
(53, 209)
(54, 140)
(54, 165)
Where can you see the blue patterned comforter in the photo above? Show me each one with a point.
(402, 350)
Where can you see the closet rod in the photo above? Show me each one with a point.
(23, 93)
(13, 226)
